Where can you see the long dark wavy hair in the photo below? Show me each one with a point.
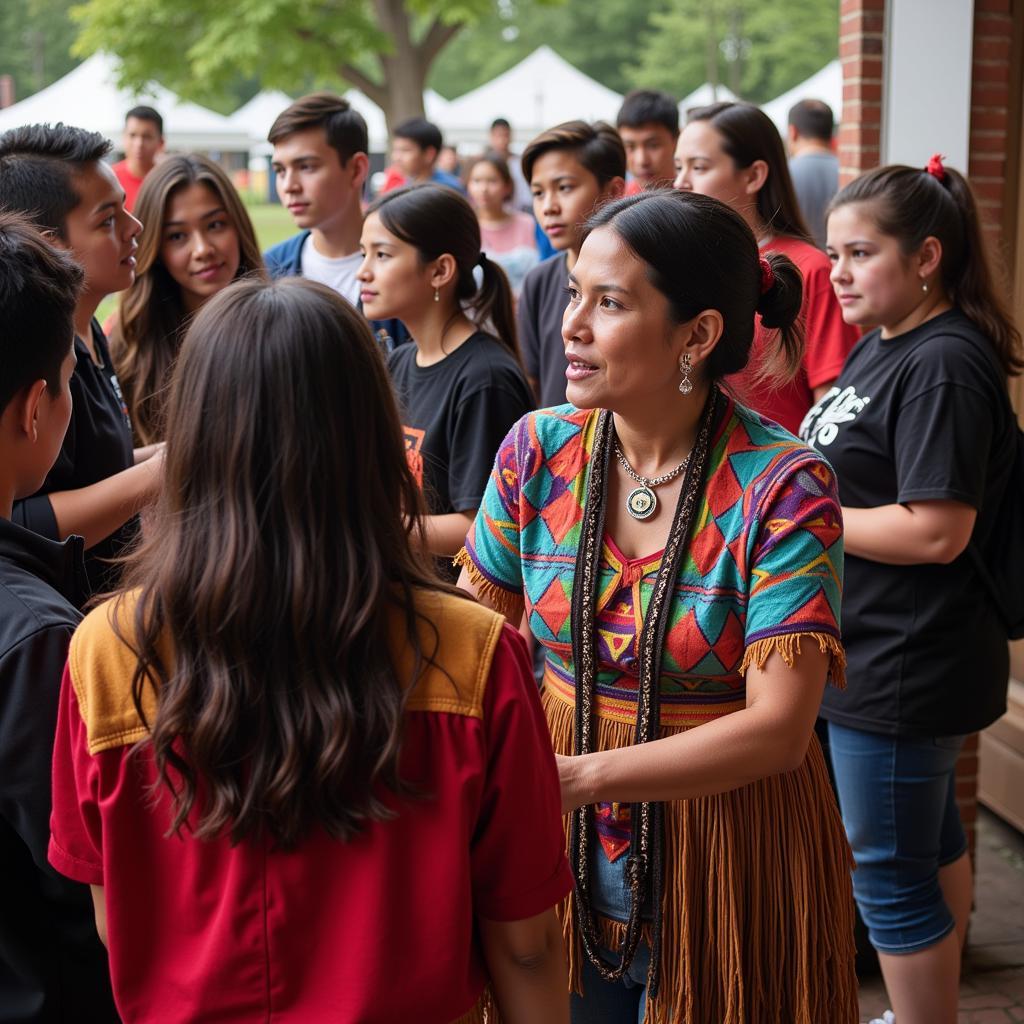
(283, 545)
(434, 220)
(909, 204)
(151, 318)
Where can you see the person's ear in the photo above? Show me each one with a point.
(24, 408)
(359, 166)
(444, 270)
(756, 176)
(614, 189)
(700, 336)
(53, 236)
(929, 257)
(791, 134)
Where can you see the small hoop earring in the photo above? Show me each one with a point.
(685, 385)
(437, 294)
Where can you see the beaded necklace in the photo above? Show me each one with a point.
(644, 865)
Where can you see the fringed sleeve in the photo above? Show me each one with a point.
(788, 647)
(503, 601)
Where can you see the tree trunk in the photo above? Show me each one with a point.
(404, 70)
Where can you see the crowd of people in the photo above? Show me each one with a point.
(524, 595)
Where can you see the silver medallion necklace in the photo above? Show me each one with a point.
(641, 501)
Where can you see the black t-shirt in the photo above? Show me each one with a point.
(98, 444)
(922, 416)
(52, 965)
(539, 316)
(455, 415)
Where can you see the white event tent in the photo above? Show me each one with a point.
(89, 97)
(256, 117)
(540, 91)
(703, 95)
(826, 84)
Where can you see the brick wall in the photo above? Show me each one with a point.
(861, 48)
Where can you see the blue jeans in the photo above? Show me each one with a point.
(898, 799)
(611, 1002)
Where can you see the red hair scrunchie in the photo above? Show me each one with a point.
(767, 275)
(935, 168)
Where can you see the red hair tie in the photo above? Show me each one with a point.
(767, 275)
(935, 168)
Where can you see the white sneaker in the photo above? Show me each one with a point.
(887, 1018)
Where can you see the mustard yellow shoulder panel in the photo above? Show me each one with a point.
(101, 671)
(460, 636)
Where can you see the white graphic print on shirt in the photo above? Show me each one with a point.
(821, 424)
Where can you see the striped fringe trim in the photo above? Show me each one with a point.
(788, 647)
(757, 906)
(501, 600)
(484, 1012)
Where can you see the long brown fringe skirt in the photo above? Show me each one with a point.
(758, 912)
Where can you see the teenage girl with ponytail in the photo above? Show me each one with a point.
(460, 386)
(680, 560)
(921, 433)
(733, 152)
(306, 780)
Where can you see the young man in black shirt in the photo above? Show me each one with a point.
(572, 168)
(52, 965)
(56, 176)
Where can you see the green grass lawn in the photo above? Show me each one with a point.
(271, 222)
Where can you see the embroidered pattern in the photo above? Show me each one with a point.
(765, 562)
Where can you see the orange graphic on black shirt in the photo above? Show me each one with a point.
(413, 453)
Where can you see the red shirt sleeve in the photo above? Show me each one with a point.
(75, 833)
(518, 857)
(829, 336)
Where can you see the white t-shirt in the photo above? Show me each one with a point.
(339, 274)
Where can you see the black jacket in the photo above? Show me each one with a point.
(52, 964)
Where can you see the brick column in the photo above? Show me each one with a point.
(993, 107)
(861, 48)
(995, 110)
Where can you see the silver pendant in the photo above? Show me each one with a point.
(641, 503)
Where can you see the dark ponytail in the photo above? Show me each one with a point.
(700, 254)
(492, 304)
(910, 205)
(779, 307)
(435, 219)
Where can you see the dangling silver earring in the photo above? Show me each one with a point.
(437, 294)
(685, 385)
(924, 287)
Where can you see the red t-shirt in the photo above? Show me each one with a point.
(129, 183)
(379, 929)
(828, 342)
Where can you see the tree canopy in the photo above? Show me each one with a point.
(384, 47)
(35, 43)
(220, 54)
(757, 49)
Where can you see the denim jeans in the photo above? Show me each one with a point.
(897, 795)
(611, 1002)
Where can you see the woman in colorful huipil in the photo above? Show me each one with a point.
(680, 559)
